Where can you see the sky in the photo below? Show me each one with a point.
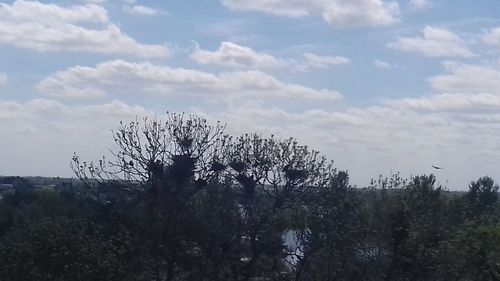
(378, 86)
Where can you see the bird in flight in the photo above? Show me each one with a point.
(437, 167)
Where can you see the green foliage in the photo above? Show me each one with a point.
(63, 249)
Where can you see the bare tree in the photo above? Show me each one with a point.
(180, 169)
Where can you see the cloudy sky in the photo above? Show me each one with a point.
(378, 86)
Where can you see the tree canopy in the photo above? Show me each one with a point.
(184, 200)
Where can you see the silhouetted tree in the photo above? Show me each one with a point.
(182, 200)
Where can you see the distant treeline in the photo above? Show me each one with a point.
(182, 200)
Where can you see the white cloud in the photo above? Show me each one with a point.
(419, 5)
(3, 79)
(146, 78)
(402, 135)
(39, 111)
(492, 37)
(141, 10)
(436, 42)
(338, 13)
(467, 78)
(384, 64)
(52, 28)
(448, 102)
(47, 133)
(464, 88)
(457, 129)
(234, 56)
(316, 61)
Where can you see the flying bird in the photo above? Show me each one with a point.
(437, 167)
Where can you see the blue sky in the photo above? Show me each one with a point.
(378, 86)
